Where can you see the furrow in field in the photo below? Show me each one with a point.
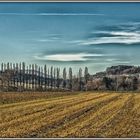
(24, 103)
(71, 116)
(13, 106)
(126, 122)
(132, 125)
(52, 105)
(95, 121)
(23, 125)
(76, 119)
(114, 125)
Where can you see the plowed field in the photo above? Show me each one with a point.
(77, 115)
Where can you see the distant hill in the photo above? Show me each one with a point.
(120, 78)
(119, 70)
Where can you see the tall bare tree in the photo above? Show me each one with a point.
(20, 75)
(2, 67)
(14, 75)
(2, 70)
(36, 72)
(51, 76)
(70, 78)
(54, 77)
(86, 77)
(64, 78)
(27, 79)
(45, 76)
(58, 77)
(23, 74)
(33, 77)
(48, 78)
(30, 76)
(8, 68)
(39, 79)
(17, 75)
(80, 79)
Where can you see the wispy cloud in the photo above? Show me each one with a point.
(117, 61)
(52, 14)
(49, 38)
(67, 57)
(113, 37)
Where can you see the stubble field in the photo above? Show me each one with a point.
(87, 114)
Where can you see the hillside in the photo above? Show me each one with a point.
(118, 70)
(120, 78)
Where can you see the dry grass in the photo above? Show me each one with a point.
(70, 115)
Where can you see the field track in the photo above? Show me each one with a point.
(77, 115)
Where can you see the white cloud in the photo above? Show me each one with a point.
(120, 33)
(52, 14)
(67, 57)
(50, 38)
(121, 37)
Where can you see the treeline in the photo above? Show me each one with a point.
(22, 77)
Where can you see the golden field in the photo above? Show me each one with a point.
(87, 114)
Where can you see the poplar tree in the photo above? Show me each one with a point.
(48, 78)
(54, 77)
(33, 77)
(30, 76)
(80, 79)
(41, 76)
(27, 78)
(17, 75)
(39, 81)
(45, 77)
(8, 70)
(36, 76)
(58, 77)
(51, 76)
(86, 76)
(64, 77)
(70, 78)
(23, 74)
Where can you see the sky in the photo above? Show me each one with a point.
(96, 35)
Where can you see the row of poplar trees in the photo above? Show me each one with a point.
(34, 77)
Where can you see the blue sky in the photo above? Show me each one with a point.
(96, 35)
